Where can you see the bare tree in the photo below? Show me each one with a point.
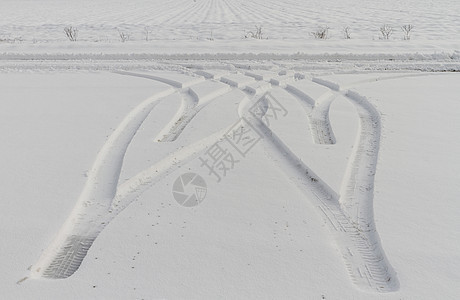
(147, 32)
(71, 33)
(407, 31)
(321, 33)
(386, 31)
(123, 36)
(211, 37)
(10, 39)
(257, 34)
(347, 32)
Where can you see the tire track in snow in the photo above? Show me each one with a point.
(361, 250)
(356, 236)
(102, 199)
(317, 111)
(356, 200)
(357, 194)
(192, 102)
(81, 228)
(358, 184)
(186, 112)
(360, 246)
(184, 115)
(358, 242)
(317, 114)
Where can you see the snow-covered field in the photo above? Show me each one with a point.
(220, 26)
(196, 163)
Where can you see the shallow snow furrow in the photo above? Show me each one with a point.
(194, 100)
(188, 110)
(317, 114)
(187, 9)
(191, 105)
(319, 120)
(234, 10)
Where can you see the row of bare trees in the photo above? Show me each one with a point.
(385, 30)
(72, 34)
(321, 33)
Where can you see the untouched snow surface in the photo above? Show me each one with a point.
(192, 162)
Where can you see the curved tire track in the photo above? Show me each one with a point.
(355, 234)
(68, 249)
(356, 199)
(102, 199)
(357, 238)
(317, 114)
